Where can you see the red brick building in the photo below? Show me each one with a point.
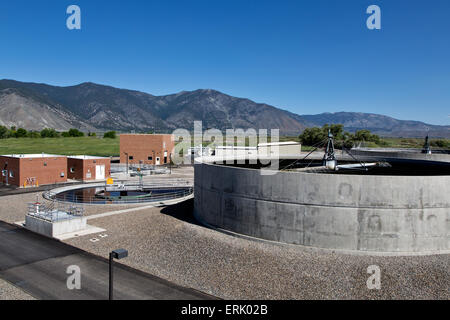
(153, 149)
(33, 169)
(88, 168)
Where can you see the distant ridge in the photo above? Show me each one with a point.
(90, 106)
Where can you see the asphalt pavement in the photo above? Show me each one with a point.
(38, 265)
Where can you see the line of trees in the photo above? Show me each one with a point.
(314, 136)
(13, 132)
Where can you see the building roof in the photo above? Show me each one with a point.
(33, 156)
(85, 157)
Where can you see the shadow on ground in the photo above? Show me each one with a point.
(183, 211)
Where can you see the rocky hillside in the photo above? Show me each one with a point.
(90, 106)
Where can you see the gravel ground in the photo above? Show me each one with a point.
(10, 292)
(168, 243)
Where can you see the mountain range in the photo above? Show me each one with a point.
(91, 107)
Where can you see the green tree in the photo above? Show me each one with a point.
(336, 129)
(366, 135)
(110, 135)
(3, 132)
(49, 133)
(12, 133)
(21, 133)
(312, 136)
(75, 133)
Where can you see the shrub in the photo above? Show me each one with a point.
(313, 136)
(21, 133)
(33, 134)
(49, 133)
(440, 143)
(75, 133)
(110, 135)
(3, 132)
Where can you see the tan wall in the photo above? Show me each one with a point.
(145, 148)
(25, 168)
(84, 167)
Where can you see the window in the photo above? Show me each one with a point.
(130, 157)
(11, 174)
(150, 158)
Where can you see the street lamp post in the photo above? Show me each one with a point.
(116, 254)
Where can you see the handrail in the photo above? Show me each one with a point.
(185, 191)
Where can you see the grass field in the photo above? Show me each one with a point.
(110, 147)
(63, 146)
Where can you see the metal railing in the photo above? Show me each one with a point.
(55, 211)
(146, 169)
(182, 192)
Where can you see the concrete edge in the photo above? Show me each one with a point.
(97, 185)
(318, 249)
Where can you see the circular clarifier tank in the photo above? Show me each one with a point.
(104, 195)
(397, 205)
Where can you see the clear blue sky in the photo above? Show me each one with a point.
(304, 56)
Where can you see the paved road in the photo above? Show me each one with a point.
(38, 265)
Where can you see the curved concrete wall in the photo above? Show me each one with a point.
(392, 154)
(351, 212)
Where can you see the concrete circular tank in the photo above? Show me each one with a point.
(375, 213)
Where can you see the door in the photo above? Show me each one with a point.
(100, 172)
(158, 161)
